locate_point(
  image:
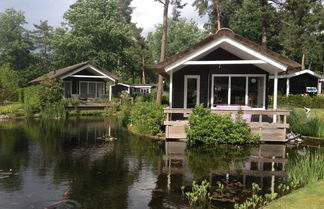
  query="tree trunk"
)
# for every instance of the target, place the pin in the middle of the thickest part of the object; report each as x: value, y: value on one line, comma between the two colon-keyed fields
x: 264, y: 29
x: 143, y: 70
x: 303, y: 60
x: 163, y: 48
x: 217, y: 22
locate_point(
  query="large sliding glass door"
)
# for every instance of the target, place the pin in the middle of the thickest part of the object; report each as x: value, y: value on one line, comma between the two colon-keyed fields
x: 91, y: 89
x: 191, y: 91
x: 242, y: 90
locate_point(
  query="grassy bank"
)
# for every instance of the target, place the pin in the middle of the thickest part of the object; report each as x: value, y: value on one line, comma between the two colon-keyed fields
x: 311, y: 196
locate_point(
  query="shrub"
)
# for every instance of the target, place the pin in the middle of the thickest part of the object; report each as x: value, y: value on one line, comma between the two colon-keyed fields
x: 299, y: 101
x: 301, y: 124
x: 50, y: 91
x: 147, y: 118
x: 207, y: 128
x: 8, y: 84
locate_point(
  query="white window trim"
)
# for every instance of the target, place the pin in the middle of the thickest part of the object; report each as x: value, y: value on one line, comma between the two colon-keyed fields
x: 246, y: 88
x: 186, y: 89
x: 96, y: 82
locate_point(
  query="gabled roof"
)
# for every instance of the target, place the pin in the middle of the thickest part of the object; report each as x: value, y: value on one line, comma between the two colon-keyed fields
x: 227, y: 39
x: 297, y: 73
x: 61, y: 73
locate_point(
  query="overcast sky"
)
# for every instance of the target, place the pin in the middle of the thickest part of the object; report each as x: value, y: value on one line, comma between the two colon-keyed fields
x: 147, y: 13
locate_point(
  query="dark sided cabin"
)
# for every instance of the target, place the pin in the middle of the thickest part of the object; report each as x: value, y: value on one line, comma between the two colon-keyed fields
x: 226, y: 72
x: 133, y: 89
x: 84, y: 81
x: 298, y: 82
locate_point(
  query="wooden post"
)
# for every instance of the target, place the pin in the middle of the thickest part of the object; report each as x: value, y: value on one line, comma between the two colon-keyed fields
x: 171, y: 89
x: 110, y: 92
x: 275, y: 95
x: 319, y: 88
x: 288, y: 87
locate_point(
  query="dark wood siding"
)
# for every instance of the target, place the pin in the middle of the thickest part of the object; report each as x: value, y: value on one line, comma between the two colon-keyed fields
x: 205, y: 72
x: 299, y: 83
x: 76, y: 82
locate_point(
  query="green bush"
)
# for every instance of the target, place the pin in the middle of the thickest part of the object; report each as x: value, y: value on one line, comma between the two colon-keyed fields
x: 29, y: 95
x: 50, y: 91
x: 8, y: 84
x: 147, y: 118
x: 207, y: 128
x: 299, y: 101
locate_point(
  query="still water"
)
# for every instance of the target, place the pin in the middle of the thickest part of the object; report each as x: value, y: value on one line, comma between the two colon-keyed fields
x: 66, y: 164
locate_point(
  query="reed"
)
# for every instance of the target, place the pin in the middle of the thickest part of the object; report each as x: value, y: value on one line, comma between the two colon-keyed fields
x: 306, y: 169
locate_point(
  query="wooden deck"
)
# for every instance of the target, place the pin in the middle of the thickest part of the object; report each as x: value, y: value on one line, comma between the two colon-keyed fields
x: 91, y: 106
x: 270, y: 125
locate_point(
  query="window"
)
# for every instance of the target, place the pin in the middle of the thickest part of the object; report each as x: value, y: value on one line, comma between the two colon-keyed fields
x: 238, y: 90
x: 220, y: 90
x: 90, y: 89
x: 191, y: 91
x: 67, y: 89
x: 238, y: 85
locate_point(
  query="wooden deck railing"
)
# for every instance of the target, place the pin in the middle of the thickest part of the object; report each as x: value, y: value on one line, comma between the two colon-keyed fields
x: 281, y: 115
x: 267, y: 123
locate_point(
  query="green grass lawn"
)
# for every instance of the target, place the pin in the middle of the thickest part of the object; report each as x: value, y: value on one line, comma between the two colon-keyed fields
x: 315, y: 112
x: 311, y: 197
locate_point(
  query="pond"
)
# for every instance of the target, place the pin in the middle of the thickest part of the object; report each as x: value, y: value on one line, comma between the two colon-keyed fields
x: 67, y: 164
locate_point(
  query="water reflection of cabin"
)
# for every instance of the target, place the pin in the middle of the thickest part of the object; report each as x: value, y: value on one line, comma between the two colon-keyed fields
x: 226, y: 72
x: 84, y: 81
x: 264, y: 164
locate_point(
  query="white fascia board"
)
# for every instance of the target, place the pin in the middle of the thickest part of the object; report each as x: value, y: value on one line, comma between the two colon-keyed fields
x: 212, y: 45
x: 256, y: 54
x: 225, y: 62
x: 299, y: 73
x: 123, y: 84
x: 87, y: 76
x: 191, y: 57
x: 73, y: 72
x: 85, y: 67
x: 142, y: 86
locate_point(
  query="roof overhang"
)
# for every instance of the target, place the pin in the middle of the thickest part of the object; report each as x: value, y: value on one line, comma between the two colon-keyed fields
x: 247, y: 54
x: 91, y: 68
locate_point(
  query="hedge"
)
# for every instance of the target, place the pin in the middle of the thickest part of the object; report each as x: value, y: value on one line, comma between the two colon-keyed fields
x: 299, y: 101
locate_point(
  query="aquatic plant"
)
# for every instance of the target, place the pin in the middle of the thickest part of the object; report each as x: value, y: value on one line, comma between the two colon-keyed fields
x: 304, y: 169
x: 256, y: 200
x: 55, y: 111
x: 199, y: 194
